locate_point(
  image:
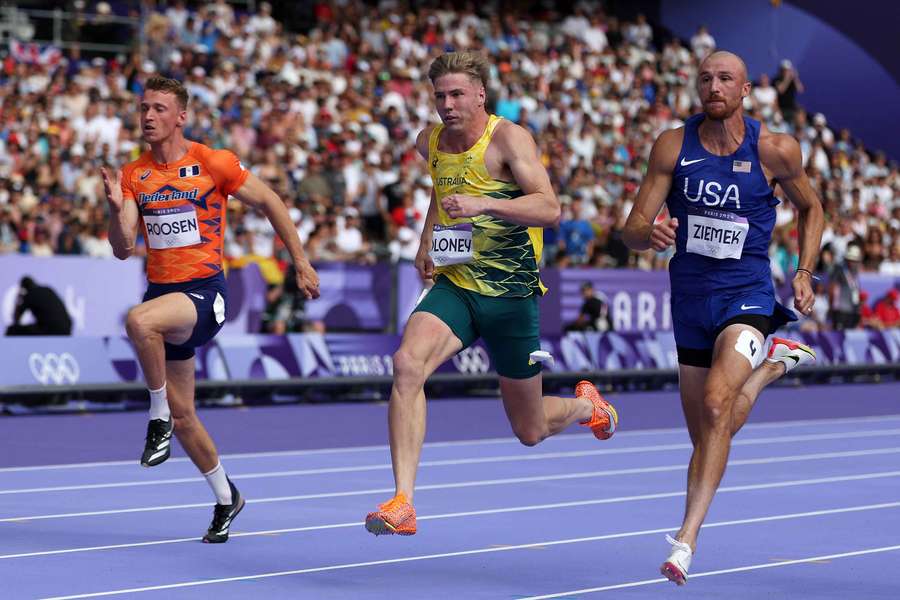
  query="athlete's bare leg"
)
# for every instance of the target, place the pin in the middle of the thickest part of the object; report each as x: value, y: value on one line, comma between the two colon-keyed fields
x: 188, y: 429
x: 710, y: 422
x: 169, y: 318
x: 427, y: 343
x: 535, y: 417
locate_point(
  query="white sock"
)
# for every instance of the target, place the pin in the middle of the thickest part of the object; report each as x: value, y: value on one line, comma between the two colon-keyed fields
x: 159, y: 404
x: 219, y: 484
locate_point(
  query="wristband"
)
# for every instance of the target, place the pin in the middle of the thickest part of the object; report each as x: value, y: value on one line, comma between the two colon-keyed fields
x: 811, y: 276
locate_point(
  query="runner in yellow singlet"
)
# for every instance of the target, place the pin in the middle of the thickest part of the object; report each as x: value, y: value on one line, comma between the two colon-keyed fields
x: 481, y: 245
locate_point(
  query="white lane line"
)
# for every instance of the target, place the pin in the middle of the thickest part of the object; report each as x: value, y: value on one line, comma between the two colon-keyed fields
x: 473, y: 513
x: 770, y: 565
x: 459, y: 443
x: 605, y: 452
x: 474, y: 483
x: 492, y: 511
x: 518, y: 547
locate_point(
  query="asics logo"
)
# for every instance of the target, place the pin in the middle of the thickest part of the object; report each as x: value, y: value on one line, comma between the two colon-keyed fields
x: 54, y: 368
x: 685, y: 163
x: 745, y: 307
x: 472, y: 360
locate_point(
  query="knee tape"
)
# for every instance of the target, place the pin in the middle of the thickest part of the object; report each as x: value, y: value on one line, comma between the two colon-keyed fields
x: 748, y: 346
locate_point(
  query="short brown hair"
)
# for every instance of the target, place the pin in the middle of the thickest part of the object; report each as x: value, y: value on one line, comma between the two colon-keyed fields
x: 473, y: 64
x: 170, y: 86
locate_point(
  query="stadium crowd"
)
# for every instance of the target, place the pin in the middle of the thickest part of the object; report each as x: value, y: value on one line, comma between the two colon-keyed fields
x: 328, y: 118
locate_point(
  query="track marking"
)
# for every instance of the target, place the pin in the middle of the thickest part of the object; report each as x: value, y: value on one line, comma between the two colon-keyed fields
x: 461, y: 461
x: 488, y: 550
x: 457, y: 443
x: 783, y: 563
x: 492, y: 511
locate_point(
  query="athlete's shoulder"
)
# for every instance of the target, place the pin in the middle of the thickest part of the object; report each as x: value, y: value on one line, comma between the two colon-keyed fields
x: 217, y: 159
x: 424, y: 138
x: 665, y: 151
x: 145, y: 161
x: 779, y: 152
x: 512, y: 136
x: 132, y: 172
x: 204, y: 152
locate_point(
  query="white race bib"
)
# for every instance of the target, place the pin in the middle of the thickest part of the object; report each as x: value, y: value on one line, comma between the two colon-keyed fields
x: 716, y: 233
x: 451, y: 244
x: 172, y: 227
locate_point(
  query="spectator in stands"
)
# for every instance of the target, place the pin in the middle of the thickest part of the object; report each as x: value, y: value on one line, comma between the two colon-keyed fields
x: 891, y: 266
x: 867, y: 316
x: 49, y: 311
x: 329, y: 117
x: 577, y: 234
x: 9, y: 239
x: 886, y: 309
x: 845, y: 291
x: 766, y: 97
x: 788, y: 84
x: 702, y: 43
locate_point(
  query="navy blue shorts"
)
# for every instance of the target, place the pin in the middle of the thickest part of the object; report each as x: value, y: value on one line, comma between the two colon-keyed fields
x: 209, y: 297
x: 698, y: 320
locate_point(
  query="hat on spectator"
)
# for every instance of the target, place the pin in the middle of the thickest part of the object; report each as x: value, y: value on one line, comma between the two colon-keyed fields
x: 853, y: 254
x: 149, y: 66
x: 819, y: 119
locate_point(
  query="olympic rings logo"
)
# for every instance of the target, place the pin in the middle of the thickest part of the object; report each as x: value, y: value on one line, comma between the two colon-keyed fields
x: 55, y: 368
x: 472, y: 360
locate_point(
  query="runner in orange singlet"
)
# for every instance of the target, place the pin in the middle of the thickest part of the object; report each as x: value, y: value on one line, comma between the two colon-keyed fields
x: 176, y: 193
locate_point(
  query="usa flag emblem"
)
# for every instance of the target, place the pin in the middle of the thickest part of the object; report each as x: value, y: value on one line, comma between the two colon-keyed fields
x: 741, y: 166
x: 191, y: 171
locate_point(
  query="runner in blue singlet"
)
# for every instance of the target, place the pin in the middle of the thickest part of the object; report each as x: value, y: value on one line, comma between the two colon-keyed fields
x: 716, y: 176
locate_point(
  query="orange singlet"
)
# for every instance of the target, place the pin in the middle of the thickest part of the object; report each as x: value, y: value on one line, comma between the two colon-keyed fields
x: 182, y: 208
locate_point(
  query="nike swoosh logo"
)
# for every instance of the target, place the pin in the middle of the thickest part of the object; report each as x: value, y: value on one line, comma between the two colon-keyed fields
x: 745, y: 307
x: 685, y: 163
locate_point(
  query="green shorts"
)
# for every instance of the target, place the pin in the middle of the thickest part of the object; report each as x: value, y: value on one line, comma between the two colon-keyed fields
x: 509, y: 326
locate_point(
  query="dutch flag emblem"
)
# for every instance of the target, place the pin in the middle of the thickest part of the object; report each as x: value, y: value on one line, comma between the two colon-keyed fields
x: 191, y: 171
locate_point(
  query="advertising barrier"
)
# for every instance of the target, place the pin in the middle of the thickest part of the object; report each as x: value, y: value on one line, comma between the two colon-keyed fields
x: 47, y: 361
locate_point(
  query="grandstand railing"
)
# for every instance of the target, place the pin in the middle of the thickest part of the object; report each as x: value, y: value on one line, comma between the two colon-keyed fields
x: 19, y: 23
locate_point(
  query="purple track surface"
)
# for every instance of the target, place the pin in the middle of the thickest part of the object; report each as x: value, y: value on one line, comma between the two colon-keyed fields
x: 809, y: 507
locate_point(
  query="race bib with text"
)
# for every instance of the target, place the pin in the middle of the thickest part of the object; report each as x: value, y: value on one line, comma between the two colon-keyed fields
x: 716, y: 233
x: 171, y: 227
x: 451, y: 244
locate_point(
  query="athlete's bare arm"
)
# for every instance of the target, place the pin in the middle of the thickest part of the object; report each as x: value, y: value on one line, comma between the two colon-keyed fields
x: 640, y: 233
x: 538, y: 207
x: 424, y: 264
x: 780, y: 155
x: 258, y: 195
x: 123, y: 216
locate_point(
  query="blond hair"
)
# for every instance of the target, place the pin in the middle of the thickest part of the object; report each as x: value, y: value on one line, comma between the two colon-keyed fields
x: 170, y: 86
x: 473, y: 64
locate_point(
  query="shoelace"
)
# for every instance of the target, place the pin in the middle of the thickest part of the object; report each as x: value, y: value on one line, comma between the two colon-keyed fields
x: 220, y: 515
x: 679, y: 545
x: 157, y: 431
x: 393, y: 504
